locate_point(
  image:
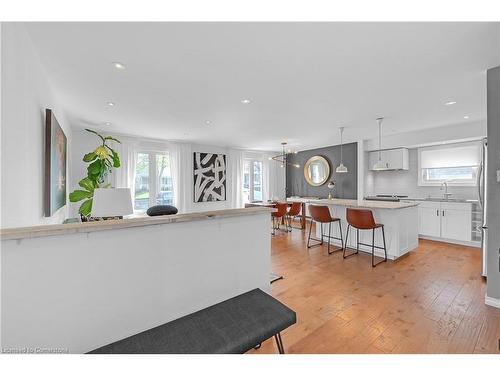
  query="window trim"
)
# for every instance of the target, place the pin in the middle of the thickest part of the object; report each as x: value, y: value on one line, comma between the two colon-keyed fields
x: 153, y: 188
x: 252, y: 161
x: 420, y: 170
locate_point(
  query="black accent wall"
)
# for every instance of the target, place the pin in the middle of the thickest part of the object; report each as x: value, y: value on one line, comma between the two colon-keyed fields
x: 346, y: 184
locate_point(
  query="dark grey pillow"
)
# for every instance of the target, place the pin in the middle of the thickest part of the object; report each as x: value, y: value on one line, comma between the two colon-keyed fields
x: 161, y: 210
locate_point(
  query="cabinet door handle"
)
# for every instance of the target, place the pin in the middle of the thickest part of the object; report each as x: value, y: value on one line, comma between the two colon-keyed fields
x: 443, y: 212
x: 437, y: 212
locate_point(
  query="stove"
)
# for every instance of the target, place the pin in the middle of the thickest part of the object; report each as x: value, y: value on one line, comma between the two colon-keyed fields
x: 386, y: 197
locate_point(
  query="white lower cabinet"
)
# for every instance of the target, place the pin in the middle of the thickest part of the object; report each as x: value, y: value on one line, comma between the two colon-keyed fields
x: 429, y: 219
x: 447, y: 220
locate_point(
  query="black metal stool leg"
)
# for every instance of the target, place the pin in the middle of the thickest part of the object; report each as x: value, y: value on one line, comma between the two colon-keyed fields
x: 329, y: 235
x: 357, y: 240
x: 373, y: 246
x: 341, y: 238
x: 346, y: 238
x: 279, y: 343
x: 385, y: 248
x: 309, y: 237
x: 346, y: 242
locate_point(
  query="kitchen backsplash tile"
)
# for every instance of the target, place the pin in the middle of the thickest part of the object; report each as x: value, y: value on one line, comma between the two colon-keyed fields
x: 406, y: 183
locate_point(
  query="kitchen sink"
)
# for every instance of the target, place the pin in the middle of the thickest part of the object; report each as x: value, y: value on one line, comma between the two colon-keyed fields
x: 441, y: 199
x: 438, y: 199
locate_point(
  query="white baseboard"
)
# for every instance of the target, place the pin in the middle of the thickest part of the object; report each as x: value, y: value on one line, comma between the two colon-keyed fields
x: 490, y: 301
x: 456, y: 242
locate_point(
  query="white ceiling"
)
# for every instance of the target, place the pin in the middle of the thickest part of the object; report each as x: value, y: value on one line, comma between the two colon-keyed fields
x: 304, y: 80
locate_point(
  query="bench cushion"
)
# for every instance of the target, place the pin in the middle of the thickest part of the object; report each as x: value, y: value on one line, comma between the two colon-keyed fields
x: 233, y: 326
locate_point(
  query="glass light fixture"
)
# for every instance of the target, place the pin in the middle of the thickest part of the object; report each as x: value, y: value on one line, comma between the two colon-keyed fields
x: 379, y: 165
x: 341, y: 168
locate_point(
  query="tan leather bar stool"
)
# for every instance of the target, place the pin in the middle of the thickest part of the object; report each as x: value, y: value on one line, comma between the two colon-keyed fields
x: 293, y: 212
x: 363, y: 219
x: 321, y: 214
x: 278, y: 215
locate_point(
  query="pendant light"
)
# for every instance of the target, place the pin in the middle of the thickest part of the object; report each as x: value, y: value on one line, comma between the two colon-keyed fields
x: 341, y: 168
x: 283, y: 157
x: 379, y: 165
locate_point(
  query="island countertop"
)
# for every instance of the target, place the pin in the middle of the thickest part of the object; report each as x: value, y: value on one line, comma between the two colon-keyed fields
x: 95, y: 226
x: 364, y: 203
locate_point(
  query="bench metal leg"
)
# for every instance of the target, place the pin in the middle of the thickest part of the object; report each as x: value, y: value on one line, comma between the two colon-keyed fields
x: 279, y: 343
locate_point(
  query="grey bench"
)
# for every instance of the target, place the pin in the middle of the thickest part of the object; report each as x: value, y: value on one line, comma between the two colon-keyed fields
x: 233, y: 326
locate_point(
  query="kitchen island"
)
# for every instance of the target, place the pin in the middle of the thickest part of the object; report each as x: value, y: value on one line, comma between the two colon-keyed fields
x: 400, y: 221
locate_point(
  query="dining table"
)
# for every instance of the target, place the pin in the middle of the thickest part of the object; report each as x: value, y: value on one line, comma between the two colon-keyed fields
x: 289, y: 202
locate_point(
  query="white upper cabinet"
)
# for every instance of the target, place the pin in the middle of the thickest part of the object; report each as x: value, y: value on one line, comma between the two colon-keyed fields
x: 394, y: 159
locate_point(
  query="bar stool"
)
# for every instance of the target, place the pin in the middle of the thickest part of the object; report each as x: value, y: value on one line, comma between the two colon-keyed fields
x: 293, y: 212
x: 279, y: 214
x: 363, y: 219
x: 321, y: 214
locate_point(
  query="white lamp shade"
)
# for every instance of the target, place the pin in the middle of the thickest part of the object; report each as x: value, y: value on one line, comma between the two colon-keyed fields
x: 112, y: 202
x: 341, y: 168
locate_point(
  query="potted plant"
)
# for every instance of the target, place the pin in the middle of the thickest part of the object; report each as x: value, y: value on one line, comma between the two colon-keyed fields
x: 101, y: 163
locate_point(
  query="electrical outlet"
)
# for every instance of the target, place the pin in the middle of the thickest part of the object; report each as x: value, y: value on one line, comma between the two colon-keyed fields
x: 498, y: 176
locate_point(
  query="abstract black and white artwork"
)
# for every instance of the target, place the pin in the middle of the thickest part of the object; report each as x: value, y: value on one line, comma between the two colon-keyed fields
x: 209, y: 177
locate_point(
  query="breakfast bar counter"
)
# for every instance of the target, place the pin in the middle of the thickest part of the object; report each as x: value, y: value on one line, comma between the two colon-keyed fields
x: 400, y: 221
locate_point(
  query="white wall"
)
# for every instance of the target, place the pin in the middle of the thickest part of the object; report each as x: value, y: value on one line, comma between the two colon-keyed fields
x: 426, y: 137
x: 26, y: 93
x: 85, y: 142
x: 406, y: 183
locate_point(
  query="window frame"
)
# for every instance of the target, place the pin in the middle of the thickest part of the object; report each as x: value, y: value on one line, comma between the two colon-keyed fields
x: 251, y: 197
x: 422, y: 182
x: 152, y: 177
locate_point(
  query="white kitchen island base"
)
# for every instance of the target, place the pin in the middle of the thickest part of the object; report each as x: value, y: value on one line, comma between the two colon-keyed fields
x: 400, y: 224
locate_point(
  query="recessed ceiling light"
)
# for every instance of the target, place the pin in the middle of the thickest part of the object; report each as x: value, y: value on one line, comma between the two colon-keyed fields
x: 246, y: 101
x: 208, y: 122
x: 107, y: 123
x: 118, y: 65
x: 450, y: 103
x: 466, y: 117
x: 111, y: 104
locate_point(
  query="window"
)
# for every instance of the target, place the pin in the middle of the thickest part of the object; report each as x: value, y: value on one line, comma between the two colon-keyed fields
x: 252, y: 181
x: 456, y: 164
x: 153, y: 180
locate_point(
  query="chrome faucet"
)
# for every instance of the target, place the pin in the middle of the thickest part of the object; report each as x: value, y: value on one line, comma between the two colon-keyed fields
x: 444, y: 185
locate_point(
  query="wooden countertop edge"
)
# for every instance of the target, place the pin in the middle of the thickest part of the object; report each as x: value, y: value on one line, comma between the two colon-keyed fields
x: 97, y: 226
x: 371, y: 205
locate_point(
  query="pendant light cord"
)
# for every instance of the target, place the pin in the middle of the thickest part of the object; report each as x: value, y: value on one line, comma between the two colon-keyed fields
x: 341, y: 144
x: 379, y: 120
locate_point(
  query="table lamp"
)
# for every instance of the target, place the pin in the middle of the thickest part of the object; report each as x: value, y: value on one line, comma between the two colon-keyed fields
x: 330, y: 185
x: 112, y: 203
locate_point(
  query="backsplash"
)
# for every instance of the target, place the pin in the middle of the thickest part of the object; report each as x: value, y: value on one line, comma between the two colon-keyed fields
x: 406, y: 183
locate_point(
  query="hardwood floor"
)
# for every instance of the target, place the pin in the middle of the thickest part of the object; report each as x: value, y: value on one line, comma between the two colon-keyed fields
x: 431, y: 301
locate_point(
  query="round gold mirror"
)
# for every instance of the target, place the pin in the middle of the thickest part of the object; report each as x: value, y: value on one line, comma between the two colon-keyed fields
x: 317, y: 171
